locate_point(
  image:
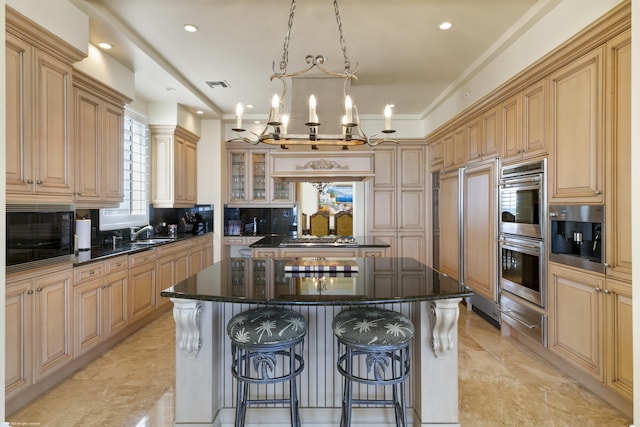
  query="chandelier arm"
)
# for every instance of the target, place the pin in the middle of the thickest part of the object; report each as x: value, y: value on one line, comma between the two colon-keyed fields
x: 343, y: 43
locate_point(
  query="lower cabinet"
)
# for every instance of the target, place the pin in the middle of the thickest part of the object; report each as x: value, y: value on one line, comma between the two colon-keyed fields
x: 590, y: 325
x: 38, y: 326
x: 100, y: 302
x: 172, y: 266
x: 142, y: 284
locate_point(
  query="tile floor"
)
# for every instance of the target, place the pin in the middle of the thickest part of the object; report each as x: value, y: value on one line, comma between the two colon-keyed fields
x: 501, y: 384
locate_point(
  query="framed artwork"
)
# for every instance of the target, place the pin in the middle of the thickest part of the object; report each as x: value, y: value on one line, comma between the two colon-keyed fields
x: 336, y: 198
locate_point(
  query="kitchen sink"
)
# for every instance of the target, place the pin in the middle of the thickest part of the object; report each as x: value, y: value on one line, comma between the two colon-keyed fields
x: 154, y: 241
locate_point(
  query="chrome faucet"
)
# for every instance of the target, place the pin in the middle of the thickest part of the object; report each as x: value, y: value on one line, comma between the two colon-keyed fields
x: 134, y: 234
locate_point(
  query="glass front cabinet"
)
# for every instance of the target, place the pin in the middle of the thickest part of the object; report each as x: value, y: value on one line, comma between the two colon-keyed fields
x: 250, y: 182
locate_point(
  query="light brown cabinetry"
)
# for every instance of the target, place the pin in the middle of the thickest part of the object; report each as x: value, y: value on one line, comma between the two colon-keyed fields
x: 479, y: 215
x: 454, y: 145
x: 38, y: 318
x: 142, y: 284
x: 172, y: 266
x: 250, y: 180
x: 591, y: 325
x: 618, y: 158
x: 577, y: 131
x: 39, y: 152
x: 99, y: 142
x: 174, y: 166
x: 482, y: 134
x: 449, y: 247
x: 397, y: 203
x: 100, y: 302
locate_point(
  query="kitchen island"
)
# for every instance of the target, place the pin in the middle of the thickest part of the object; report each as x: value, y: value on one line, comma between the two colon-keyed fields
x: 204, y: 303
x: 337, y: 246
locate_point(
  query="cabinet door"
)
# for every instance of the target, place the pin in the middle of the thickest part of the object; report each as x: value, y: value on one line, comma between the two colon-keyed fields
x: 190, y: 181
x: 165, y: 269
x: 237, y: 189
x: 54, y: 158
x: 178, y: 167
x: 19, y: 137
x: 577, y: 131
x: 619, y: 338
x: 53, y: 314
x: 88, y: 304
x: 411, y: 179
x: 116, y: 316
x: 18, y: 358
x: 142, y: 291
x: 618, y: 168
x: 113, y: 148
x: 449, y: 250
x: 491, y: 132
x: 534, y: 105
x: 479, y: 189
x: 576, y: 318
x: 436, y: 153
x: 475, y: 150
x: 88, y: 109
x: 258, y: 176
x: 511, y: 128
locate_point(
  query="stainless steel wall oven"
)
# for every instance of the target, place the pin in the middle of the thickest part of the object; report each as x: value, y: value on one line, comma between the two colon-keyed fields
x: 523, y: 269
x: 522, y: 199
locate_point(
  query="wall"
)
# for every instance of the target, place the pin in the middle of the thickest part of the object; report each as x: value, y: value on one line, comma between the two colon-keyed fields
x: 211, y: 173
x: 109, y: 71
x: 550, y: 31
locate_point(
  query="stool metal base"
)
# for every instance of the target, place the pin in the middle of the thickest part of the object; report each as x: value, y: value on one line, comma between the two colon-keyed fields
x: 257, y: 364
x: 378, y: 361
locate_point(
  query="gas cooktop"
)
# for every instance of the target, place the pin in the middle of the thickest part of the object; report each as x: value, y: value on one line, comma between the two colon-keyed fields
x: 320, y: 241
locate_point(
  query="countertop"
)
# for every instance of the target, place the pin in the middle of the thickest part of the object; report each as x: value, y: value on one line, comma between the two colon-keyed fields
x: 127, y: 248
x: 275, y: 241
x: 265, y: 281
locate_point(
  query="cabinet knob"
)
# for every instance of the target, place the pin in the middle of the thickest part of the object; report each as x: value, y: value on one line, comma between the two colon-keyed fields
x: 607, y: 265
x: 30, y: 292
x: 38, y: 289
x: 29, y: 181
x: 598, y: 289
x: 597, y: 192
x: 39, y: 182
x: 607, y: 291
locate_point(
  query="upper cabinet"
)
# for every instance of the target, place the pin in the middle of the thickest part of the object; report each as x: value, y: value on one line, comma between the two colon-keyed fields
x: 250, y: 179
x: 98, y: 137
x: 174, y: 166
x: 39, y: 149
x: 577, y: 130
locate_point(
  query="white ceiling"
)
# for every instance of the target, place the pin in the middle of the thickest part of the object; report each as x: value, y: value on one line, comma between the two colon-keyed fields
x: 402, y: 56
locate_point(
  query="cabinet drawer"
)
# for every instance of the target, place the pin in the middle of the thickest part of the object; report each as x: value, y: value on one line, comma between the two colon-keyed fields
x: 172, y: 248
x: 88, y: 272
x: 117, y: 264
x: 235, y: 241
x: 142, y: 258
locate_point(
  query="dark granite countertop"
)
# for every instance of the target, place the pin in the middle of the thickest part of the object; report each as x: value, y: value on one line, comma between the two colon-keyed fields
x: 266, y: 281
x: 126, y: 248
x: 275, y: 241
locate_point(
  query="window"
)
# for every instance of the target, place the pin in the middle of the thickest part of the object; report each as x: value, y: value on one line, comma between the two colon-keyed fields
x: 134, y: 210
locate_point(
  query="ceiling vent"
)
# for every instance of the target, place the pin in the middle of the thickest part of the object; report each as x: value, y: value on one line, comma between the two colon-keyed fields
x: 217, y: 83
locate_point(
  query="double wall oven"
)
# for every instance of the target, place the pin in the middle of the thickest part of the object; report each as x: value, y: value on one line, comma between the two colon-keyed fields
x: 522, y: 256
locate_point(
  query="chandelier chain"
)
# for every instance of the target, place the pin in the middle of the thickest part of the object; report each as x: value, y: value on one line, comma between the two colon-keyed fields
x: 284, y: 62
x: 343, y: 43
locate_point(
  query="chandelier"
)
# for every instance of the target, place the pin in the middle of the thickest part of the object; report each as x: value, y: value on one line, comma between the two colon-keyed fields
x: 276, y: 129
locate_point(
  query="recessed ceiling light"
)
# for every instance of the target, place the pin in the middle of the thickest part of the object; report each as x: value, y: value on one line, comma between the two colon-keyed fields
x: 446, y: 25
x: 170, y: 89
x: 250, y: 106
x: 105, y: 45
x: 200, y: 112
x: 190, y: 28
x: 257, y: 122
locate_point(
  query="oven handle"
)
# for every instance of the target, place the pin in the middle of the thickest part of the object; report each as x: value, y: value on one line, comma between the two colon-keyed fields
x: 510, y: 182
x: 523, y: 323
x: 522, y: 246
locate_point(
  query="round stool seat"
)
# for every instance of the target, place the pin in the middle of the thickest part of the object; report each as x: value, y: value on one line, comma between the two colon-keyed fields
x: 372, y: 327
x: 265, y: 326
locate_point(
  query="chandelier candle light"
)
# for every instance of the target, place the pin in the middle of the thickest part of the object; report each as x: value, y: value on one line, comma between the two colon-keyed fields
x: 275, y: 132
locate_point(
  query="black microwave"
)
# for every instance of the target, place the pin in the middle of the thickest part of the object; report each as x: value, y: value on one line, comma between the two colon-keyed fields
x: 38, y: 235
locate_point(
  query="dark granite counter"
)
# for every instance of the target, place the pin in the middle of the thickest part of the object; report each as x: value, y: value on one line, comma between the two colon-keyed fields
x: 277, y: 241
x: 266, y: 281
x: 127, y: 248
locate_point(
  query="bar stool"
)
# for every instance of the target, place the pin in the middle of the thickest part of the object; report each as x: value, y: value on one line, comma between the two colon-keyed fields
x: 382, y: 337
x: 260, y: 339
